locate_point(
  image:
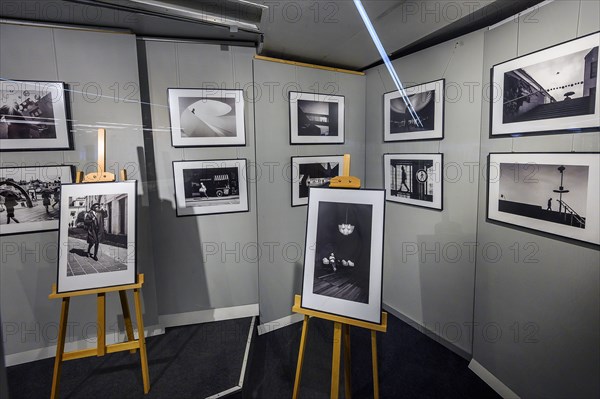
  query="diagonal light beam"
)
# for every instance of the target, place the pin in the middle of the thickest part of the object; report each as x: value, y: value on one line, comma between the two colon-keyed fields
x: 388, y: 63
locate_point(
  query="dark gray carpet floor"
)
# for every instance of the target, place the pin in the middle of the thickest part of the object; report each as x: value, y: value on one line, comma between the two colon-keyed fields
x: 201, y: 360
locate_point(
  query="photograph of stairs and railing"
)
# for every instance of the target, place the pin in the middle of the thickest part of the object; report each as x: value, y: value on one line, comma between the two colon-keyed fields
x: 554, y: 193
x: 557, y: 88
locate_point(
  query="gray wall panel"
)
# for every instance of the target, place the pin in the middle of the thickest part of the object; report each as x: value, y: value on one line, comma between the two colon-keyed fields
x: 26, y: 276
x: 281, y: 228
x: 192, y: 278
x: 545, y: 297
x: 427, y: 258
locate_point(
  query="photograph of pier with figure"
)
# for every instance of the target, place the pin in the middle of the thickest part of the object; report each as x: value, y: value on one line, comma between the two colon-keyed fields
x: 553, y: 196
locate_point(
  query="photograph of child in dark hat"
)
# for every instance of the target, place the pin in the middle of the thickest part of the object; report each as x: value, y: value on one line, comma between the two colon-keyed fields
x: 97, y: 234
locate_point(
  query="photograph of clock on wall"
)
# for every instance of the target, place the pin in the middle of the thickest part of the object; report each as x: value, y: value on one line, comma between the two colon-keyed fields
x: 554, y: 90
x: 414, y: 179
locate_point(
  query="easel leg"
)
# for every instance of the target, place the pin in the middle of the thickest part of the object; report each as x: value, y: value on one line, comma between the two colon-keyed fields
x: 142, y: 339
x: 300, y: 358
x: 375, y: 371
x: 347, y: 367
x: 127, y: 317
x: 101, y: 324
x: 335, y: 361
x: 60, y: 347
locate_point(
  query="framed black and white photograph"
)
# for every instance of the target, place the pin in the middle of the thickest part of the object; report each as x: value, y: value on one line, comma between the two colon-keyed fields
x: 316, y: 118
x: 555, y: 193
x: 427, y: 101
x: 414, y: 179
x: 30, y: 197
x: 310, y: 172
x: 97, y: 235
x: 210, y: 187
x: 34, y: 116
x: 206, y: 117
x: 554, y: 90
x: 343, y: 258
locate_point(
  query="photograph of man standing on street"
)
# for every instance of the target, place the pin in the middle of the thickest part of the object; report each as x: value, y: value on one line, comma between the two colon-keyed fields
x: 97, y: 234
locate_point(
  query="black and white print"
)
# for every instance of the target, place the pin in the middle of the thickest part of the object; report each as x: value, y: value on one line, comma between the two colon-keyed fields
x: 97, y: 233
x: 316, y: 118
x: 551, y: 90
x: 343, y: 253
x: 310, y: 172
x: 33, y: 116
x: 427, y: 101
x: 30, y: 197
x: 206, y: 187
x: 555, y: 193
x: 206, y: 117
x: 414, y: 179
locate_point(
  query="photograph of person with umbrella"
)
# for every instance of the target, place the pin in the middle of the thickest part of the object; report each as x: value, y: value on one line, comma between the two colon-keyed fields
x: 10, y: 201
x: 20, y: 189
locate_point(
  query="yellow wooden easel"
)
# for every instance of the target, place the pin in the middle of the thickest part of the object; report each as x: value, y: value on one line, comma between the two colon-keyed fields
x: 340, y: 323
x: 131, y: 344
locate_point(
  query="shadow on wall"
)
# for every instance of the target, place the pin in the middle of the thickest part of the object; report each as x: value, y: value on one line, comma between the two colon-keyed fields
x: 446, y: 269
x: 181, y: 283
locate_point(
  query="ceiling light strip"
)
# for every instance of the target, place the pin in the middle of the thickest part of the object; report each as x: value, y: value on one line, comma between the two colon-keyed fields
x: 388, y: 63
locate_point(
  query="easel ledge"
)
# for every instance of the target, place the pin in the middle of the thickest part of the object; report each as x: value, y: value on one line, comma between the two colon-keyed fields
x: 340, y: 319
x: 138, y: 285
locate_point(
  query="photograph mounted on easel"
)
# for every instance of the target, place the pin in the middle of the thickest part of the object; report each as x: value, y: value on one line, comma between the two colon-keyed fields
x: 30, y: 197
x: 97, y: 235
x: 344, y: 252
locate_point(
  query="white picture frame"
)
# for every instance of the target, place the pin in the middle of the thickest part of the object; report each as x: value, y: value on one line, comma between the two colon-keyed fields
x: 207, y: 117
x: 313, y: 171
x: 529, y: 190
x: 414, y: 179
x: 344, y: 228
x: 316, y: 118
x: 427, y: 100
x: 82, y: 264
x: 210, y: 187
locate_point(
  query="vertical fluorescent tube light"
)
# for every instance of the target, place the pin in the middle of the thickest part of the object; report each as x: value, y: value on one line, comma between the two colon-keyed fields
x: 386, y: 60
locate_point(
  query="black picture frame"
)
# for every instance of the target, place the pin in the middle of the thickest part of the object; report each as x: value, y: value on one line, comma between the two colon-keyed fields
x: 428, y: 99
x: 424, y: 183
x: 34, y: 116
x: 32, y: 196
x: 116, y: 255
x: 301, y: 182
x: 328, y: 115
x: 211, y: 128
x: 367, y: 208
x: 226, y: 180
x: 549, y: 91
x: 549, y: 193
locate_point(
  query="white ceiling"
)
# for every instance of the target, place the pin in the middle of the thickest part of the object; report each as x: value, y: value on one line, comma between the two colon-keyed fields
x: 324, y: 32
